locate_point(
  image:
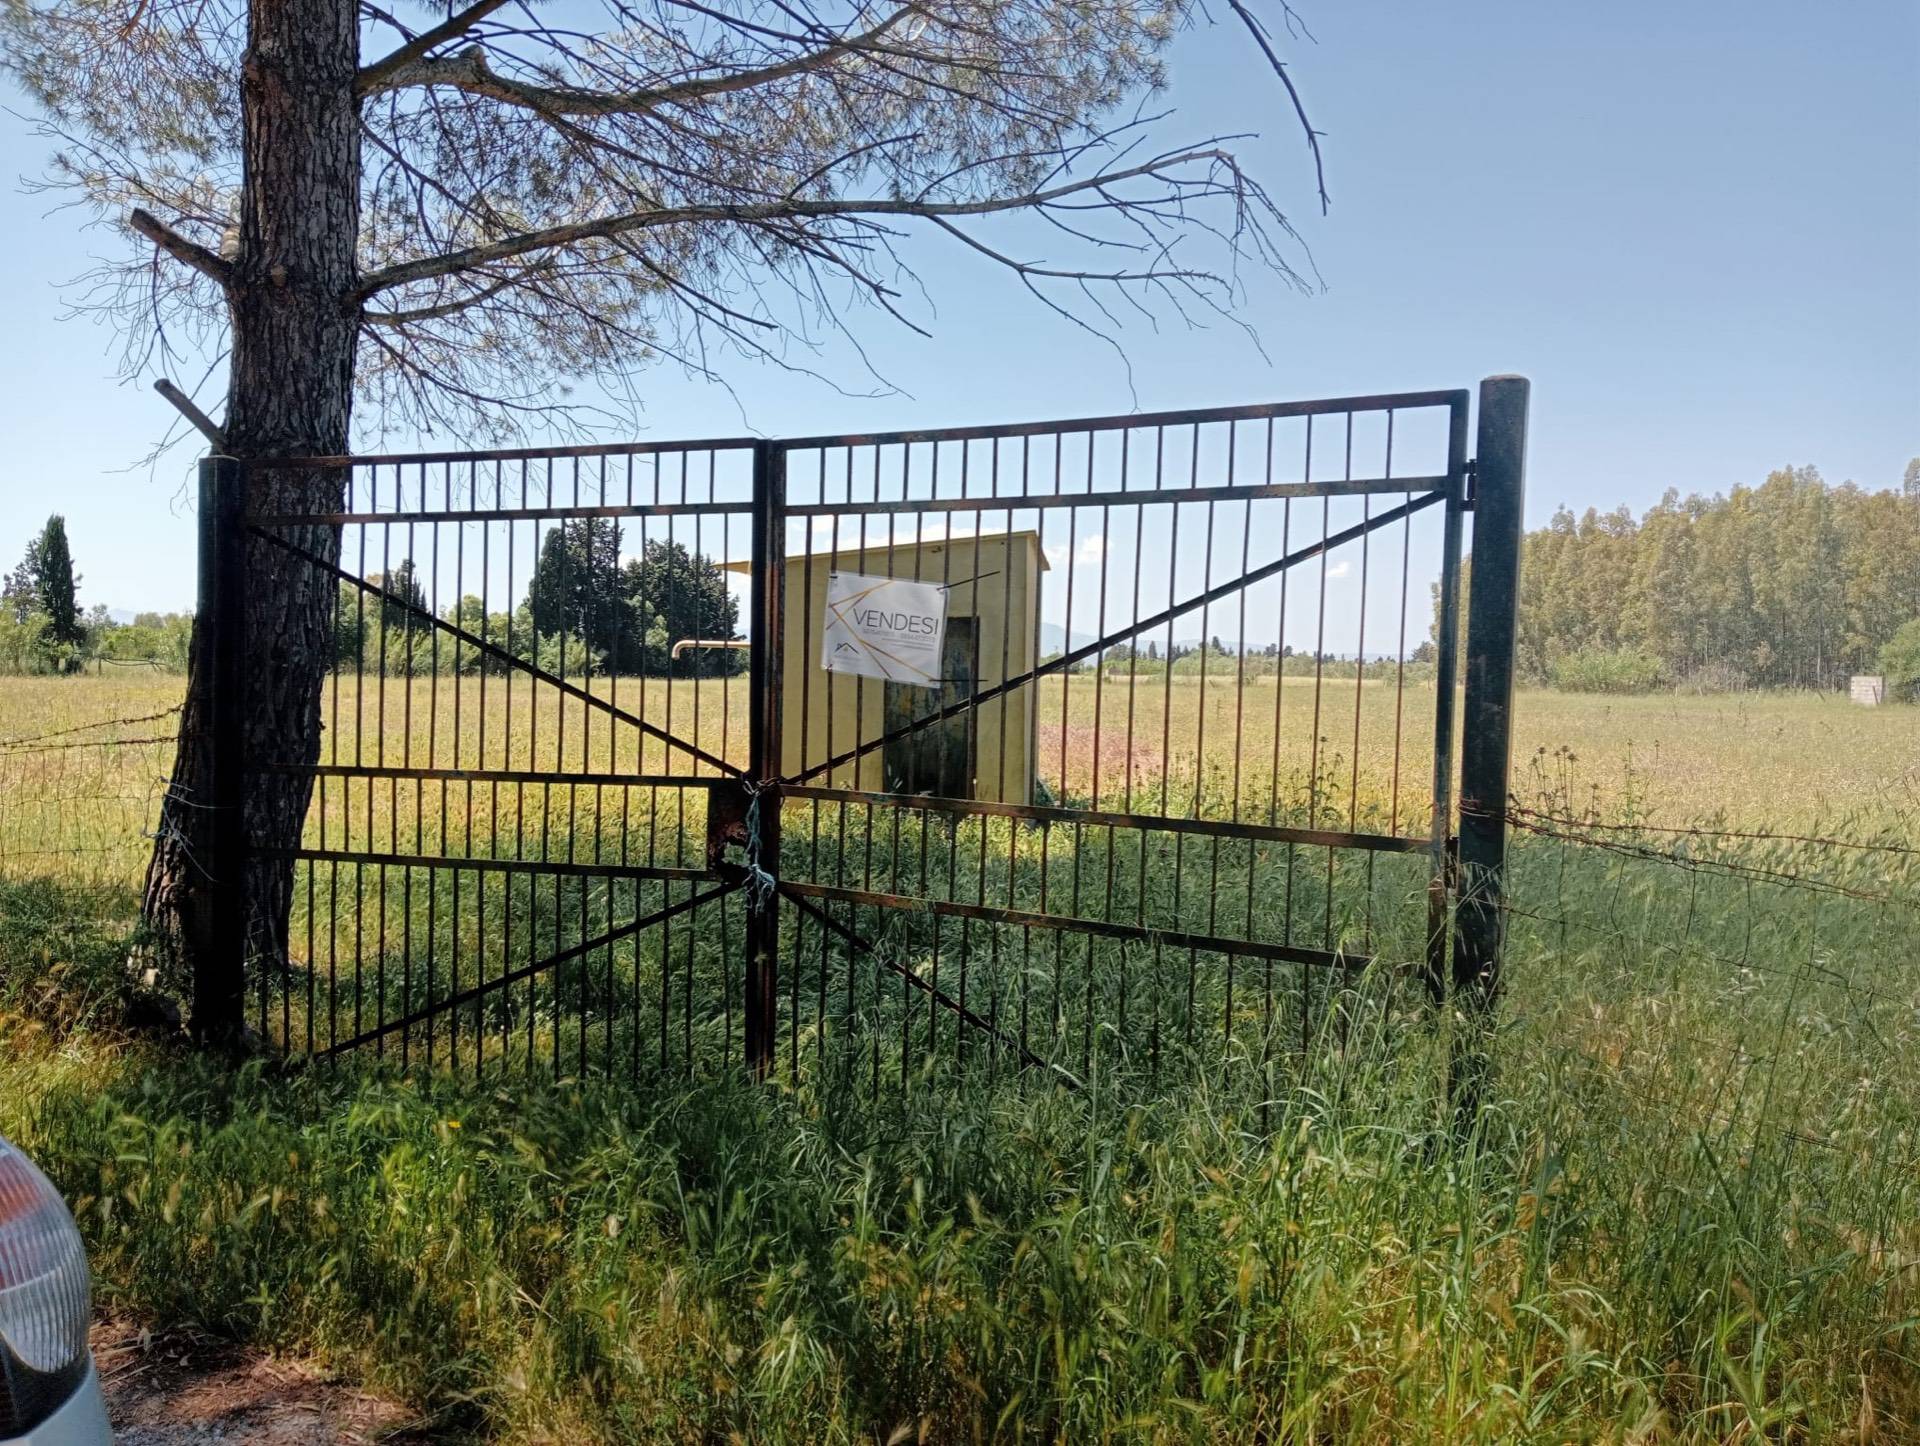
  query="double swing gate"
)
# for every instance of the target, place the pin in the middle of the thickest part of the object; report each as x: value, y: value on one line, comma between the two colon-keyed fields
x: 1211, y: 738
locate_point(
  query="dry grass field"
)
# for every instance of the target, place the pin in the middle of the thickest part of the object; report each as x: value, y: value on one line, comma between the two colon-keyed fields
x: 1764, y: 761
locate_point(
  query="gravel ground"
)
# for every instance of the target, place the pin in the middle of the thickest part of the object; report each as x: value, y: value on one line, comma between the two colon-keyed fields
x: 178, y: 1387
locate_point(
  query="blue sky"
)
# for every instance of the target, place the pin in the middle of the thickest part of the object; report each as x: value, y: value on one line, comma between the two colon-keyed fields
x: 1695, y: 226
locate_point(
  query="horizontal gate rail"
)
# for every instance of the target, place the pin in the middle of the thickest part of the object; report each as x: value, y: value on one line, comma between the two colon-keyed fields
x: 518, y: 454
x: 696, y: 781
x: 1145, y: 421
x: 501, y: 655
x: 1072, y: 924
x: 502, y: 514
x: 481, y: 863
x: 1125, y: 497
x: 1106, y: 818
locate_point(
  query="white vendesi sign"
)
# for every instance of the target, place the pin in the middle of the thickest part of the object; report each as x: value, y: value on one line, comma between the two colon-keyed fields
x: 884, y: 627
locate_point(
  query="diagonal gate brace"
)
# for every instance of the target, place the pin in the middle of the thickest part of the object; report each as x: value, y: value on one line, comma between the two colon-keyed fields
x: 1160, y: 619
x: 499, y: 654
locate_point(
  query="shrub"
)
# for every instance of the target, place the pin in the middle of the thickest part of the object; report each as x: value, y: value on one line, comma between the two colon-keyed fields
x: 1602, y: 670
x: 1718, y: 677
x: 1900, y: 661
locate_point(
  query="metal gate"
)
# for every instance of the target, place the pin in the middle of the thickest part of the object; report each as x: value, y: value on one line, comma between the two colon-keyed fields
x: 1188, y: 771
x: 505, y: 854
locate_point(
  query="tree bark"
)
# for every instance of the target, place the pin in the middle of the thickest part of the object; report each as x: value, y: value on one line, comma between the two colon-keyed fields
x: 290, y: 395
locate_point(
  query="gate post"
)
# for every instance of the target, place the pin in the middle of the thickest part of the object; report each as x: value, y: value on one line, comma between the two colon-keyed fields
x: 764, y: 677
x: 1440, y: 879
x: 219, y: 914
x: 1499, y: 486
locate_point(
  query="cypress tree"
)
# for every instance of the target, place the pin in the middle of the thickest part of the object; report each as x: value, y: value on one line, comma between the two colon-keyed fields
x: 58, y: 587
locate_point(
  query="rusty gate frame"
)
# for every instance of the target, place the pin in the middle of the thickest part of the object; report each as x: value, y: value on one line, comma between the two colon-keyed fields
x: 1465, y: 921
x: 1465, y: 845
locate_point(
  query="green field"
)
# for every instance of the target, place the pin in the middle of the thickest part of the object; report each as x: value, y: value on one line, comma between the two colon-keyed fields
x: 1687, y: 1211
x: 1802, y: 762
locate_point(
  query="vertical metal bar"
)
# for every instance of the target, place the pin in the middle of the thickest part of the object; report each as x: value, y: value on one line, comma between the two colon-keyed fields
x: 408, y: 674
x: 380, y: 757
x: 1400, y: 652
x: 1446, y: 671
x: 219, y: 965
x: 763, y: 749
x: 431, y: 1025
x: 806, y: 654
x: 359, y: 757
x: 493, y: 800
x: 466, y: 848
x: 1035, y: 595
x: 1486, y: 754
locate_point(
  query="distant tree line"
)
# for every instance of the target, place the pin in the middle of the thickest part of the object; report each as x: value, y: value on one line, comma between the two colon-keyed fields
x: 43, y: 630
x: 1222, y: 663
x: 1791, y: 584
x: 584, y: 610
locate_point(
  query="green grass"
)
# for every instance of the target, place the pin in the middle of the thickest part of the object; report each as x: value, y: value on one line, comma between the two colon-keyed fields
x: 1690, y: 1210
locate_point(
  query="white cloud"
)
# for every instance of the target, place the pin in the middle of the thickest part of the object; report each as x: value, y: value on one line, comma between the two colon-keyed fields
x: 1087, y: 552
x: 1340, y: 569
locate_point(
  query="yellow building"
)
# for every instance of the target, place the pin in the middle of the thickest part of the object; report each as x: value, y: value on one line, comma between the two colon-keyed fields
x: 987, y: 752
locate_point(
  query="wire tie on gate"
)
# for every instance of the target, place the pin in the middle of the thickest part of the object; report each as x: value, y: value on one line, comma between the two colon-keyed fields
x: 761, y: 885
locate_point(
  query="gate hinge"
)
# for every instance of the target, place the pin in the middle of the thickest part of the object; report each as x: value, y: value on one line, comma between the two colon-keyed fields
x: 1471, y: 472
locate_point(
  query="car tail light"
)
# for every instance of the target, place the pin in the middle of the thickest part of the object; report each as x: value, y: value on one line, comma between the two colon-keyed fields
x: 44, y: 1309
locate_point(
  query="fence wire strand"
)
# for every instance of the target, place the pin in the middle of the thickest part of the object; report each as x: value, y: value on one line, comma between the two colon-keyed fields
x: 83, y: 809
x: 11, y: 744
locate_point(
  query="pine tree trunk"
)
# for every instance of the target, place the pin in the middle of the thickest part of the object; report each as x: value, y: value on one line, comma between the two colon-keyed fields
x: 290, y: 395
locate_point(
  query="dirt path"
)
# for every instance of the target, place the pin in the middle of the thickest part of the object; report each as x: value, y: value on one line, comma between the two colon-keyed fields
x: 181, y: 1388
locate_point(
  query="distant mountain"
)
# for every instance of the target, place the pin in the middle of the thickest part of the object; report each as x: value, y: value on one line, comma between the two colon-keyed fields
x: 1056, y: 639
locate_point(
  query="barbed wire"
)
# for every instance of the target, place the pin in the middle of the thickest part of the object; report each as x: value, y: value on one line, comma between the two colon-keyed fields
x: 1516, y: 812
x: 1713, y: 867
x: 80, y: 800
x: 7, y: 752
x: 21, y: 744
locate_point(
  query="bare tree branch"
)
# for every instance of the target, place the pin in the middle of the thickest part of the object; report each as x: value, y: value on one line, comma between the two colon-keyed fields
x: 792, y: 208
x: 549, y: 197
x: 190, y: 253
x: 372, y: 77
x: 470, y: 71
x: 1259, y: 34
x: 440, y: 310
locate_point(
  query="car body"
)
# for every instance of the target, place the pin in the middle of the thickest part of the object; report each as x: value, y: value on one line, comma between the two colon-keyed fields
x: 49, y: 1391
